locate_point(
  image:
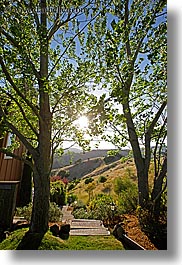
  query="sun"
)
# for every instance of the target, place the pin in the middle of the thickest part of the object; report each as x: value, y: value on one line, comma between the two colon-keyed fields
x: 83, y: 122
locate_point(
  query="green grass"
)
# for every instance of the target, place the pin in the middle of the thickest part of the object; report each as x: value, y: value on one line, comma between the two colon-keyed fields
x: 50, y: 242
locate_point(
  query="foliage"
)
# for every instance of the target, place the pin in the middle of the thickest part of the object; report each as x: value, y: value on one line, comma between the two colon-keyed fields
x: 130, y: 55
x: 89, y: 180
x: 55, y: 213
x: 156, y: 230
x: 81, y: 213
x: 73, y: 184
x: 25, y: 212
x: 44, y: 83
x: 128, y: 200
x: 55, y: 178
x: 57, y: 193
x: 127, y: 193
x: 100, y: 207
x: 65, y: 180
x: 50, y: 242
x: 71, y: 198
x: 79, y: 204
x: 122, y: 184
x: 102, y: 179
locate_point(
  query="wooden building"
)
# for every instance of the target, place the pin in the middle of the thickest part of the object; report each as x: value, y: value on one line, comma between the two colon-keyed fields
x: 10, y: 169
x: 11, y: 174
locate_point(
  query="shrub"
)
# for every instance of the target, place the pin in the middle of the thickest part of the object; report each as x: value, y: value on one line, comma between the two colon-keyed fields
x: 55, y: 178
x: 80, y: 213
x: 55, y: 212
x: 128, y: 200
x: 122, y: 184
x: 100, y: 207
x: 71, y: 198
x: 71, y: 186
x: 88, y: 180
x: 127, y: 193
x: 57, y: 193
x: 102, y: 179
x: 25, y: 211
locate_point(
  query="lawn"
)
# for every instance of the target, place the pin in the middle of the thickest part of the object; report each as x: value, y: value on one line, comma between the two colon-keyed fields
x: 50, y: 242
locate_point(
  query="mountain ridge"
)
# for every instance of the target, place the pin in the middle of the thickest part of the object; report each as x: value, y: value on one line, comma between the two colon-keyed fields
x: 71, y: 157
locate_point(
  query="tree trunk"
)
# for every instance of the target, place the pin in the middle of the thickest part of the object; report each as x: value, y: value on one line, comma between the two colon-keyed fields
x: 40, y: 211
x: 142, y: 173
x: 158, y: 189
x: 42, y: 163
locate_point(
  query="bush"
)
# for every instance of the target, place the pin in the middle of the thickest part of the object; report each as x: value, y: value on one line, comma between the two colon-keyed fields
x: 71, y: 186
x: 80, y: 213
x: 127, y: 193
x: 100, y: 207
x: 88, y: 180
x: 25, y: 212
x: 55, y: 212
x: 128, y: 200
x: 102, y: 179
x: 57, y: 193
x: 71, y: 198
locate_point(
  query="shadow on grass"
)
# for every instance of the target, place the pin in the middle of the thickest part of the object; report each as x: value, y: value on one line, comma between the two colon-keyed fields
x: 30, y: 241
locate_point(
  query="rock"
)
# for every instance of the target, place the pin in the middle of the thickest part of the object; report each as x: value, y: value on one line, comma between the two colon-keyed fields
x: 64, y: 231
x: 65, y: 228
x: 118, y: 231
x: 54, y: 230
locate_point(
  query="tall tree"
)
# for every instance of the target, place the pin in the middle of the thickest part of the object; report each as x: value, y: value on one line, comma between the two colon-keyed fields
x: 43, y: 83
x: 130, y: 50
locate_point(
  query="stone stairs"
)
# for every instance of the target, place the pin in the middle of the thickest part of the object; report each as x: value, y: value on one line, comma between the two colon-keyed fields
x: 84, y: 227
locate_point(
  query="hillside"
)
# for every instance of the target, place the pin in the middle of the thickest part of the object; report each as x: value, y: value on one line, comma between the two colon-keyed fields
x: 79, y: 169
x: 74, y: 155
x: 110, y: 172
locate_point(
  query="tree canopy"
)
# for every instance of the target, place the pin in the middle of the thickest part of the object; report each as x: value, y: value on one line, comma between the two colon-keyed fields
x: 54, y: 53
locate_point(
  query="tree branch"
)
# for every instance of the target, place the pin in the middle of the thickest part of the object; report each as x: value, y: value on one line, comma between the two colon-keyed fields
x: 22, y: 112
x: 116, y: 129
x: 126, y: 20
x: 157, y: 116
x: 69, y: 44
x: 20, y: 158
x: 20, y: 136
x: 10, y: 80
x: 16, y: 44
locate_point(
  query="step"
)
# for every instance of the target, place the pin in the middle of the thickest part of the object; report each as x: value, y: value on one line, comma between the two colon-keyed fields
x: 89, y: 232
x: 86, y: 224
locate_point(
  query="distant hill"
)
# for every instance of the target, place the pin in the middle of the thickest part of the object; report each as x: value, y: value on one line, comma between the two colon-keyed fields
x: 79, y: 169
x: 73, y: 156
x: 84, y: 164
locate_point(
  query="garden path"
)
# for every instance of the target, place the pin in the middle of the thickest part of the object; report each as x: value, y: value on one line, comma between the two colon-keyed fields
x: 83, y: 227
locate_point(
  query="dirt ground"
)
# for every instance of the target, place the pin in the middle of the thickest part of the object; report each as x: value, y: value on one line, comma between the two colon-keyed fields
x: 132, y: 230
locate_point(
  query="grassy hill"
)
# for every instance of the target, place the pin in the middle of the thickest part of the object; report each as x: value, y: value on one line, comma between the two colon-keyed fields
x: 50, y: 242
x: 71, y: 157
x: 123, y: 169
x: 86, y: 163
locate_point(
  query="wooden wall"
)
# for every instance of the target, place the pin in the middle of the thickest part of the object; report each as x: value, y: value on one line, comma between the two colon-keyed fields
x: 10, y: 168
